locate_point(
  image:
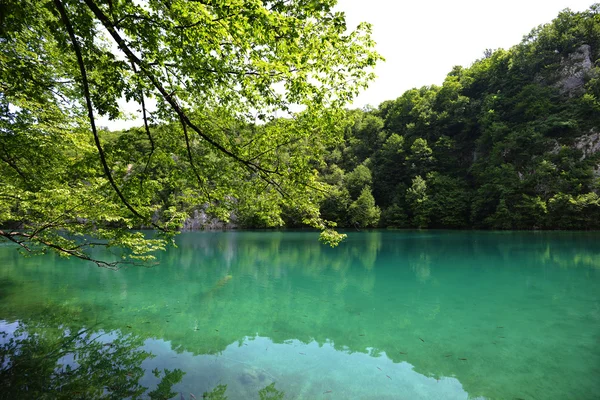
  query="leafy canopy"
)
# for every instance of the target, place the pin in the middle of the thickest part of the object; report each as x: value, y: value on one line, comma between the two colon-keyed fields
x: 218, y: 72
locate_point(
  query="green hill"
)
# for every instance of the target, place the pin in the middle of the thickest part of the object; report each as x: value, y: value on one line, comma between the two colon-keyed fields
x: 511, y: 142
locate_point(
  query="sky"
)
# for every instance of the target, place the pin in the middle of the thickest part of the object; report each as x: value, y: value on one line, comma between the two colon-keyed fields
x: 422, y: 40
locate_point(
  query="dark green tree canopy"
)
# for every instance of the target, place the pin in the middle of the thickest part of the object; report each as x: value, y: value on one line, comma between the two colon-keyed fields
x: 511, y: 142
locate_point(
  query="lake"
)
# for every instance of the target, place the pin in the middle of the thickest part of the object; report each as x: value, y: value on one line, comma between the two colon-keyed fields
x: 386, y: 315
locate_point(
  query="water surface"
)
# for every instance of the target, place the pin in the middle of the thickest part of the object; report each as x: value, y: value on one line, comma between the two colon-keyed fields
x: 386, y: 315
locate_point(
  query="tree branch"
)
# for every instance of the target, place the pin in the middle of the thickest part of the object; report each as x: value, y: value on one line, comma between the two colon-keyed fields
x: 191, y: 159
x: 167, y: 96
x: 12, y: 236
x: 13, y: 165
x: 262, y: 153
x: 88, y: 101
x: 146, y: 128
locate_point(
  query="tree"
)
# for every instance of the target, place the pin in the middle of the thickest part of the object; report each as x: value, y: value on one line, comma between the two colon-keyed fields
x: 510, y: 142
x: 364, y: 136
x: 420, y: 158
x: 389, y: 169
x: 218, y: 72
x: 419, y: 202
x: 448, y: 201
x: 357, y: 180
x: 363, y: 212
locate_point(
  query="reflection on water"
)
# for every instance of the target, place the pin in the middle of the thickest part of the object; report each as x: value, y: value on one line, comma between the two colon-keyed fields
x: 306, y: 371
x: 55, y: 360
x: 50, y: 358
x: 385, y: 315
x: 41, y: 360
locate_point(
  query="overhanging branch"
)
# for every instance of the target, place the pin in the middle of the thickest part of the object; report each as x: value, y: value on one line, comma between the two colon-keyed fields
x: 191, y: 159
x: 146, y: 128
x: 107, y: 23
x: 88, y: 101
x: 75, y: 251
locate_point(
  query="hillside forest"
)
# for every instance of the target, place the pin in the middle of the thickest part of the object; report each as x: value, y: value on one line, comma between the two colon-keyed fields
x: 511, y: 142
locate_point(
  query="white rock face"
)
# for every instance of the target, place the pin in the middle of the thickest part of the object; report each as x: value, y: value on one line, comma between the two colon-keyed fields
x: 201, y: 221
x: 588, y: 144
x: 574, y: 70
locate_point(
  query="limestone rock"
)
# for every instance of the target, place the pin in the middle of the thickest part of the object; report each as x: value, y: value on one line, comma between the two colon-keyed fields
x: 575, y: 70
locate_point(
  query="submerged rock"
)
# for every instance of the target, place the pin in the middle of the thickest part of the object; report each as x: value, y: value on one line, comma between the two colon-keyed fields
x: 251, y: 376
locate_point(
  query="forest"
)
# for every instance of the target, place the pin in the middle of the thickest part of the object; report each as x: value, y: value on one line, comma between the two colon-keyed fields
x: 510, y: 142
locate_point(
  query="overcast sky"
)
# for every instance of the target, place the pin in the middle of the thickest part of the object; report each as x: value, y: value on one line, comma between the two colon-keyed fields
x: 423, y: 39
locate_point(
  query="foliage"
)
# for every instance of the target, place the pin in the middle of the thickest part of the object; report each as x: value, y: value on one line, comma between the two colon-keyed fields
x: 218, y: 73
x: 418, y: 202
x: 510, y: 142
x: 363, y: 212
x: 357, y: 180
x: 507, y: 143
x: 448, y: 201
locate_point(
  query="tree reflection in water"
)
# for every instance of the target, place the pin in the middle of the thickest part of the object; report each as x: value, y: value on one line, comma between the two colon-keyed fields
x: 51, y: 356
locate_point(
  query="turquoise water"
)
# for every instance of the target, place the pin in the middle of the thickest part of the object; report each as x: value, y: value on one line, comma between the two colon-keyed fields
x: 386, y: 315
